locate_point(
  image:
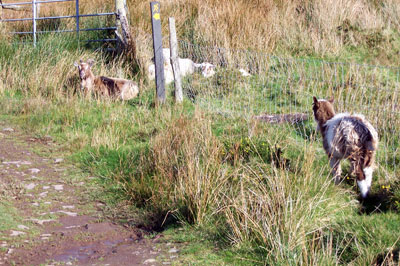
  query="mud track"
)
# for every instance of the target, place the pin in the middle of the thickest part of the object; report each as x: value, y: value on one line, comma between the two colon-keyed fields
x: 57, y: 222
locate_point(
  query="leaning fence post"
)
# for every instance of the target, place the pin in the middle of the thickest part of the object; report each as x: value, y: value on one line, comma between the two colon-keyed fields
x: 34, y: 22
x: 77, y: 19
x: 173, y: 44
x: 158, y: 52
x: 123, y: 31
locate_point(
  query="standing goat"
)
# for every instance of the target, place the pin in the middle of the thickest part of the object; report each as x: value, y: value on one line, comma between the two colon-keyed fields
x: 111, y: 87
x: 347, y: 137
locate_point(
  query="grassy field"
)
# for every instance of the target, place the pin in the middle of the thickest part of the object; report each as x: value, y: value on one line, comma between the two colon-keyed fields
x: 246, y: 192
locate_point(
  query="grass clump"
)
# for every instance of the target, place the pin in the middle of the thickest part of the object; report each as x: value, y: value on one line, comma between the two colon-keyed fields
x: 258, y: 190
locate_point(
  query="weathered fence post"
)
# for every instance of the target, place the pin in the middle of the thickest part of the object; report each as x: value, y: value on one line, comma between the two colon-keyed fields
x: 173, y: 44
x: 34, y: 21
x: 158, y: 51
x: 77, y: 19
x: 123, y: 31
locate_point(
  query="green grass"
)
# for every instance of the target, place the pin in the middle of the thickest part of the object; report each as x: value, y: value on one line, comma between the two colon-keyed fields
x: 247, y: 193
x: 196, y: 247
x: 9, y: 216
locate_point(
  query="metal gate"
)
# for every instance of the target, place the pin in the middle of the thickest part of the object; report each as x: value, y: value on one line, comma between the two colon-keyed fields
x: 33, y: 5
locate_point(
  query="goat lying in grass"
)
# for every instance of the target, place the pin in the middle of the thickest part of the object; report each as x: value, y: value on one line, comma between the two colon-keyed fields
x: 347, y: 137
x: 111, y: 87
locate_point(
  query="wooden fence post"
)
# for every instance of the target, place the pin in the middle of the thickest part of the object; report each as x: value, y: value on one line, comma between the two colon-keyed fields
x: 173, y: 44
x: 158, y: 51
x: 77, y: 19
x: 34, y: 21
x: 123, y: 32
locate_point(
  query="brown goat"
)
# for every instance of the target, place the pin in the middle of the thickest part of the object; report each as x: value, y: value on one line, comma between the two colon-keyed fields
x: 110, y: 87
x: 349, y: 137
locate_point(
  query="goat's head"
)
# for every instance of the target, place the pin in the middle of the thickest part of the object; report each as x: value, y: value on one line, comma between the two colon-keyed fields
x: 207, y: 69
x: 84, y: 68
x: 323, y: 110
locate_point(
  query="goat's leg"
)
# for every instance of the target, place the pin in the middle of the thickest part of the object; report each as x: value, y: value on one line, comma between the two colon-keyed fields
x: 336, y: 169
x: 364, y: 177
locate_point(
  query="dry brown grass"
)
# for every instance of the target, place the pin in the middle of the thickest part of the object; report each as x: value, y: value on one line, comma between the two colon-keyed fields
x: 188, y: 170
x: 296, y: 27
x: 323, y: 27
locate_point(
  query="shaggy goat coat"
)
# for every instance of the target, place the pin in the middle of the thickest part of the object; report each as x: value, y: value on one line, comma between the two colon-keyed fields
x: 110, y: 87
x: 349, y: 137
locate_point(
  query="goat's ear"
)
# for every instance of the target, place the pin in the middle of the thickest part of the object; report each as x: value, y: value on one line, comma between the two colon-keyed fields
x: 90, y: 62
x: 76, y: 64
x: 331, y: 100
x: 315, y: 100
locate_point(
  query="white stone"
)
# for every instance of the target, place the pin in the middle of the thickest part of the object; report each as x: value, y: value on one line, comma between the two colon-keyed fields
x: 30, y: 186
x: 22, y: 227
x: 46, y: 187
x: 68, y: 207
x: 41, y: 222
x: 16, y: 233
x: 34, y: 170
x: 43, y: 194
x: 35, y: 204
x: 18, y: 162
x: 69, y: 213
x: 173, y: 250
x: 149, y: 261
x: 58, y: 160
x: 72, y: 226
x: 58, y: 187
x: 8, y: 129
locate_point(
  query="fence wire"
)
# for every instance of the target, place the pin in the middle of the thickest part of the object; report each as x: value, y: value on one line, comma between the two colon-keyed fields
x: 279, y: 91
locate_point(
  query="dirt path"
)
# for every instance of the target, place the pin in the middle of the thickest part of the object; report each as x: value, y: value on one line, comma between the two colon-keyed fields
x: 55, y: 222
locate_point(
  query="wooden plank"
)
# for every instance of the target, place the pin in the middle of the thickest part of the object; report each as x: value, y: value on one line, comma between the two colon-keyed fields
x: 173, y: 44
x: 158, y: 51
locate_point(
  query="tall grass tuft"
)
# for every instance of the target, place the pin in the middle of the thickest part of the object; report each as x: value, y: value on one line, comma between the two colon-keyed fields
x: 188, y: 175
x: 289, y: 216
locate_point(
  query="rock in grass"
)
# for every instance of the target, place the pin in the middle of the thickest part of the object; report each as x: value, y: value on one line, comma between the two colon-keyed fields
x: 34, y: 170
x: 30, y: 186
x: 22, y: 227
x: 16, y: 233
x: 173, y: 250
x: 58, y: 187
x: 8, y: 129
x: 58, y: 160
